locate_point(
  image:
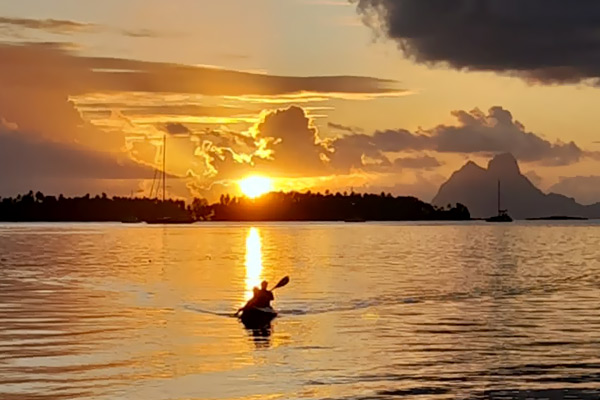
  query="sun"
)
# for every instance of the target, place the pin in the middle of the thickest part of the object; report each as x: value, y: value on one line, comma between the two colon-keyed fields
x: 255, y: 186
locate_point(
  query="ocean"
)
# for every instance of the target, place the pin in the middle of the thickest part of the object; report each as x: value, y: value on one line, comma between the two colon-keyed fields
x: 372, y: 311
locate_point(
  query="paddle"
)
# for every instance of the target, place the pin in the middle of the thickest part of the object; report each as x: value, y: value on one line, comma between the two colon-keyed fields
x: 284, y: 281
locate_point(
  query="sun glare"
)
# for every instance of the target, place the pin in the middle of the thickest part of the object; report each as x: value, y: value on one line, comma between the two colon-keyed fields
x: 253, y: 261
x: 255, y: 186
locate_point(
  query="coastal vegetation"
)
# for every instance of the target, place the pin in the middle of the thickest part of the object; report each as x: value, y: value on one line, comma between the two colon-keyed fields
x: 275, y: 206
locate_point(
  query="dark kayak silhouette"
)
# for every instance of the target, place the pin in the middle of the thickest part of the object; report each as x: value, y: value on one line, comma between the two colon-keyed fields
x: 254, y: 317
x: 257, y: 318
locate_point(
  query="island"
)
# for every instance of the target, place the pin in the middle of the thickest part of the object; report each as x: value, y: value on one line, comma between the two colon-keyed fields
x: 274, y: 206
x: 558, y: 218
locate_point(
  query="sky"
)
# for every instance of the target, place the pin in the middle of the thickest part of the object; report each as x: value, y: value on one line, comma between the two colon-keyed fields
x: 339, y: 95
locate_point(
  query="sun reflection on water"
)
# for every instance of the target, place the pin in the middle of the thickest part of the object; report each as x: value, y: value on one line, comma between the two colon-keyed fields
x: 253, y: 261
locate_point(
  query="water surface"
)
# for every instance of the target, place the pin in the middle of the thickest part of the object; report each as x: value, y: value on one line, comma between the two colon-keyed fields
x: 373, y: 311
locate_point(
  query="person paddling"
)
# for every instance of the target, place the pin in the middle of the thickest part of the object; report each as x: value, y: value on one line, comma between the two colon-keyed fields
x: 261, y: 298
x: 264, y: 297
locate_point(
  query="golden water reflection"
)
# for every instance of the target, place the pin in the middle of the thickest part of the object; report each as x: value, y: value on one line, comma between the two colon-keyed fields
x: 253, y: 261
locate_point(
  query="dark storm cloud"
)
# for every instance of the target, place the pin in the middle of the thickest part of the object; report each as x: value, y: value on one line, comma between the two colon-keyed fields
x: 476, y: 132
x: 543, y: 40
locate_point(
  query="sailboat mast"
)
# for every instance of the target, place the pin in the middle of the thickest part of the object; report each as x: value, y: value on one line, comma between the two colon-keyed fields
x: 164, y: 175
x: 498, y: 196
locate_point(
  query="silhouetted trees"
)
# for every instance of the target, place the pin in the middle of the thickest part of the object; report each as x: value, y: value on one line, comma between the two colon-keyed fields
x: 278, y: 206
x: 309, y: 206
x: 39, y: 207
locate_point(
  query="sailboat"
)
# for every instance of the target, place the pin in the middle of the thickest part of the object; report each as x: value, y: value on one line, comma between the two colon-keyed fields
x: 167, y: 220
x: 502, y: 214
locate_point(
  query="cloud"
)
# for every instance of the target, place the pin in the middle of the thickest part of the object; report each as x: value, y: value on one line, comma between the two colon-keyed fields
x: 7, y: 126
x: 476, y: 132
x: 23, y: 156
x: 585, y: 189
x: 175, y: 128
x: 140, y: 33
x: 137, y: 108
x: 283, y: 143
x: 422, y: 162
x: 59, y: 69
x: 344, y: 128
x: 48, y: 89
x: 362, y: 150
x: 335, y: 3
x: 534, y: 178
x: 550, y: 41
x: 421, y: 187
x: 12, y: 26
x: 26, y: 163
x: 57, y: 26
x: 498, y: 132
x: 293, y: 142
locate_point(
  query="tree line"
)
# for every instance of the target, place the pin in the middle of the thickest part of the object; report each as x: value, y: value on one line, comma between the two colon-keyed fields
x: 100, y: 208
x: 276, y: 206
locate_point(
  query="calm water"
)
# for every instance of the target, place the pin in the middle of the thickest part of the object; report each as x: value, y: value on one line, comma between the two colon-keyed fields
x: 373, y: 311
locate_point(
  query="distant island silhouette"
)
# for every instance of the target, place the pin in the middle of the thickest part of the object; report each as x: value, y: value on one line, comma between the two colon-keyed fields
x: 558, y: 218
x: 476, y: 188
x: 276, y: 206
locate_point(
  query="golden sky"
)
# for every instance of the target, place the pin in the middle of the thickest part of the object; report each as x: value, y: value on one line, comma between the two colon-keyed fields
x: 379, y: 95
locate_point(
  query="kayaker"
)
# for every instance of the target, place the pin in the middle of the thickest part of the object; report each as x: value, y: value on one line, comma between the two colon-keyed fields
x: 261, y: 298
x: 264, y: 297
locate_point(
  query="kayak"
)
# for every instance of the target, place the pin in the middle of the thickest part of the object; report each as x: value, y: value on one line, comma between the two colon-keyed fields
x: 256, y: 318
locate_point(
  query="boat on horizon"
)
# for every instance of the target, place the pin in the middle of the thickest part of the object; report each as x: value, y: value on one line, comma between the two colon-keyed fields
x: 169, y: 220
x: 131, y: 220
x: 502, y: 214
x: 355, y: 220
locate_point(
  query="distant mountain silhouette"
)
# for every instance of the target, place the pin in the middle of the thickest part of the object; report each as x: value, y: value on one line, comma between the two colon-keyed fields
x: 476, y: 188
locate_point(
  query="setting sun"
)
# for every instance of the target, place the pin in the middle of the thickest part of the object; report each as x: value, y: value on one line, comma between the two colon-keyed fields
x: 255, y: 186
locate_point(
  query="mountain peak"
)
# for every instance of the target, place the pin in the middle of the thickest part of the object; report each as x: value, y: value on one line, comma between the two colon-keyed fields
x: 470, y: 169
x: 471, y: 165
x: 476, y: 188
x: 503, y: 165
